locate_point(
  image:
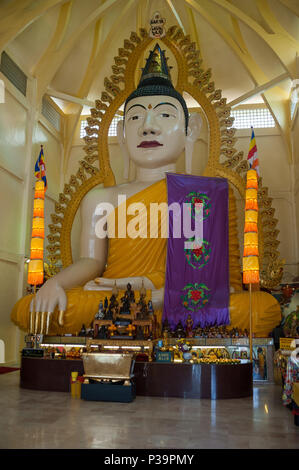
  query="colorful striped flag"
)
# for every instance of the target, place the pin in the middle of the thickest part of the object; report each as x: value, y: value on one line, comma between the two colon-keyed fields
x: 252, y: 154
x: 40, y: 168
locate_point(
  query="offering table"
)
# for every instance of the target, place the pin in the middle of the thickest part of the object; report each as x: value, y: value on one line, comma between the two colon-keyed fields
x: 214, y: 381
x: 184, y: 380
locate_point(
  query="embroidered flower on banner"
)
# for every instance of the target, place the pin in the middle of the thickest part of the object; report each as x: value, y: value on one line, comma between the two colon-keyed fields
x: 198, y: 256
x: 195, y: 296
x: 198, y: 201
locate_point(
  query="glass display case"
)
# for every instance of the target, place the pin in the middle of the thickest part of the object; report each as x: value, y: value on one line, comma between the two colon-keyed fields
x: 232, y: 348
x: 238, y: 348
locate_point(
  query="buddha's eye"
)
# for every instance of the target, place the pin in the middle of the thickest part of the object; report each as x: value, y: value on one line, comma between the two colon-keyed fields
x: 166, y: 115
x: 134, y: 118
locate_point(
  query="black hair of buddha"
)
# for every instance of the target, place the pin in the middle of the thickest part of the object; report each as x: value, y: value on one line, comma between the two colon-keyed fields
x: 158, y: 86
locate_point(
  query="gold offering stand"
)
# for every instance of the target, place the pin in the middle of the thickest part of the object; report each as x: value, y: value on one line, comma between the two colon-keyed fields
x: 146, y: 325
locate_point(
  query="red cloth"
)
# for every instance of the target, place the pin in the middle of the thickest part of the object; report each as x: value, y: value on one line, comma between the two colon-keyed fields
x: 5, y: 370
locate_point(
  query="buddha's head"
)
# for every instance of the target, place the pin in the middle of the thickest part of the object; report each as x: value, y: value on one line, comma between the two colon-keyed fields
x: 156, y: 127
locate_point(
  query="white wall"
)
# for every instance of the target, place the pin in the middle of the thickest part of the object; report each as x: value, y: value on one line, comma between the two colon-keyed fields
x: 13, y: 117
x: 22, y: 131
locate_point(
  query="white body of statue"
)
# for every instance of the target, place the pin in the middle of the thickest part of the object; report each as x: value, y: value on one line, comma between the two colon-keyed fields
x: 152, y: 135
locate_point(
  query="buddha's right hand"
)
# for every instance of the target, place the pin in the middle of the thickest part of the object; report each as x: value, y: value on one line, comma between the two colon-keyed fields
x: 42, y: 306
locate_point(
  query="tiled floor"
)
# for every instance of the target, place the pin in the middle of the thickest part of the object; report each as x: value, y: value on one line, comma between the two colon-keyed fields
x: 43, y: 420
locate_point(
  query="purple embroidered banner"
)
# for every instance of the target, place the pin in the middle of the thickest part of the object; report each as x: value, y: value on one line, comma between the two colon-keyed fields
x: 197, y: 278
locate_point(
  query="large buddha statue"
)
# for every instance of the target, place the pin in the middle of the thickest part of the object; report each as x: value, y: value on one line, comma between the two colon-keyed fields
x: 155, y: 131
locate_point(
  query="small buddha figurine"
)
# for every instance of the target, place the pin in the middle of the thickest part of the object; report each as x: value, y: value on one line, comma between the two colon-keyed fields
x: 113, y: 300
x: 166, y: 328
x: 125, y: 306
x: 189, y: 326
x: 100, y: 314
x: 129, y: 294
x: 143, y: 313
x: 224, y: 333
x: 82, y: 331
x: 141, y: 301
x: 150, y: 307
x: 139, y: 333
x: 287, y: 292
x: 142, y: 306
x: 102, y: 333
x: 105, y: 305
x: 90, y: 331
x: 115, y: 290
x: 180, y: 331
x: 110, y: 310
x: 134, y: 310
x: 165, y: 335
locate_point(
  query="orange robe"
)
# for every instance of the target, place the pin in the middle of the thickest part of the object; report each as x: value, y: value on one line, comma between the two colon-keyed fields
x: 128, y: 257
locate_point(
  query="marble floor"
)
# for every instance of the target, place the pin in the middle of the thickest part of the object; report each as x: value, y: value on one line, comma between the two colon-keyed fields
x: 43, y: 420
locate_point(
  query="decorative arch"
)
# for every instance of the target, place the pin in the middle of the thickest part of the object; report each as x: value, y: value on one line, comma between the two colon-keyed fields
x: 197, y: 82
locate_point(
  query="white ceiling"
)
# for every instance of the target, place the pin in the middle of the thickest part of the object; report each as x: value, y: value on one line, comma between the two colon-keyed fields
x: 71, y: 37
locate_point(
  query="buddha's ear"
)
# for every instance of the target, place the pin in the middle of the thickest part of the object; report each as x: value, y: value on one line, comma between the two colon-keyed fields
x: 194, y: 126
x: 193, y: 133
x: 123, y: 148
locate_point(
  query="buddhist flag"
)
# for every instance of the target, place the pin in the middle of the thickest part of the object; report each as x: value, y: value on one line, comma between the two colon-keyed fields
x: 252, y: 154
x: 40, y: 168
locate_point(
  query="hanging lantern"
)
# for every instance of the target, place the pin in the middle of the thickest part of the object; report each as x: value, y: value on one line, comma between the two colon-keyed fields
x: 35, y: 272
x: 36, y: 263
x: 38, y: 229
x: 38, y: 208
x: 250, y: 254
x: 39, y: 190
x: 36, y: 248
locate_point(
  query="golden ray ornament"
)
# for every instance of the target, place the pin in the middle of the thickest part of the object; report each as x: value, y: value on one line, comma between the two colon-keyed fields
x: 224, y: 159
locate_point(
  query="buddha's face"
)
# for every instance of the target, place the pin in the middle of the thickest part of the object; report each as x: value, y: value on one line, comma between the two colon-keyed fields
x: 154, y: 130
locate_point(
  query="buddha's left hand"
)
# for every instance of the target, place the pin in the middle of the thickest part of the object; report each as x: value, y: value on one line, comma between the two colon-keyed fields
x: 136, y: 283
x: 121, y: 283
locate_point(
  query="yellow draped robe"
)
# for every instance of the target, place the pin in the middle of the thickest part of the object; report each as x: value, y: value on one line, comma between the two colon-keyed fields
x: 131, y: 257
